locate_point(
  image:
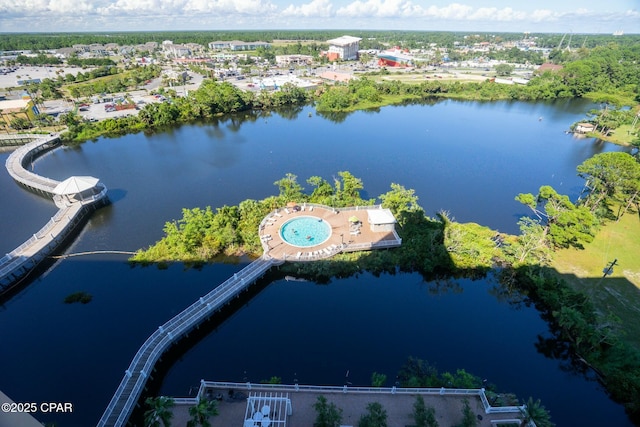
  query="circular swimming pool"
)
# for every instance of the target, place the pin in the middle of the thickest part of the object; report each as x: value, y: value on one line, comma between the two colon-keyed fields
x: 305, y: 231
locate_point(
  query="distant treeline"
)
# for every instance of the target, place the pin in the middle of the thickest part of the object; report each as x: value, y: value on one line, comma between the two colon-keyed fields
x: 371, y: 39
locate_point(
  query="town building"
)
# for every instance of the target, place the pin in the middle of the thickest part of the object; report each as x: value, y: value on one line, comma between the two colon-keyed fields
x: 381, y: 220
x: 585, y: 127
x: 175, y: 50
x: 237, y: 45
x: 287, y: 60
x: 17, y: 108
x: 344, y: 48
x: 395, y: 57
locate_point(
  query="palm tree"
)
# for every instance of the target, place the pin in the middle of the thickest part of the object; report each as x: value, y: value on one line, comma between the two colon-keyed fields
x: 201, y: 413
x: 160, y: 411
x: 534, y: 411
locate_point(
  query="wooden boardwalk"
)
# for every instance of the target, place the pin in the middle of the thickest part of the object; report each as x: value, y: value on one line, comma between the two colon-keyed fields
x: 135, y: 378
x: 19, y: 262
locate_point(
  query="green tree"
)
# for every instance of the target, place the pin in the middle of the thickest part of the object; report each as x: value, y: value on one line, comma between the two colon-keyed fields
x: 272, y: 380
x: 336, y: 98
x: 401, y: 201
x: 289, y: 188
x: 322, y: 192
x: 376, y: 416
x: 423, y: 416
x: 20, y: 123
x: 347, y: 189
x: 504, y: 69
x: 378, y: 380
x: 533, y: 411
x: 159, y: 412
x: 327, y: 414
x: 567, y: 224
x: 201, y: 412
x: 532, y: 245
x: 468, y: 417
x: 610, y: 178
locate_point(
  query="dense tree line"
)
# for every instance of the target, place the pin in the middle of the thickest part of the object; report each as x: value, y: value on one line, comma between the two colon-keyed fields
x: 591, y: 340
x: 372, y: 39
x: 90, y: 62
x: 39, y: 59
x: 210, y: 100
x: 606, y: 74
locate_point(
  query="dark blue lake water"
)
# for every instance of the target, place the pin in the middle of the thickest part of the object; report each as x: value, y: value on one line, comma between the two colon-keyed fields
x: 470, y: 159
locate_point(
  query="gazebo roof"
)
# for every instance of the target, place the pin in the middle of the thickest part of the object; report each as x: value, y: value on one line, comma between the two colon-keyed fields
x: 381, y: 216
x: 75, y: 185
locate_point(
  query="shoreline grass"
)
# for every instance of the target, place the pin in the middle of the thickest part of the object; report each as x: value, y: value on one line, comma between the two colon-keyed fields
x: 619, y: 293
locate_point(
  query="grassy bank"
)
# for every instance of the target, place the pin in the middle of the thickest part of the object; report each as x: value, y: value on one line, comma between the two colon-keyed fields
x: 618, y: 294
x: 623, y: 135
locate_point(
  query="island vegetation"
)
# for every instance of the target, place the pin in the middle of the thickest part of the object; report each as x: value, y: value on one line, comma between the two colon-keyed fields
x: 78, y: 297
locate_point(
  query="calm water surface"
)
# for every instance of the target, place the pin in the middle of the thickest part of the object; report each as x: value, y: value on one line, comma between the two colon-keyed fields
x: 470, y: 159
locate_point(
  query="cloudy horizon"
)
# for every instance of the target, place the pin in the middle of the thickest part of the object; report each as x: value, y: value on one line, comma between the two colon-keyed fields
x: 544, y: 16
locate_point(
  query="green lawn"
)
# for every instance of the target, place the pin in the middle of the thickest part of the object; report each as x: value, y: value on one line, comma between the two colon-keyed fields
x: 421, y: 76
x: 618, y: 294
x: 624, y: 135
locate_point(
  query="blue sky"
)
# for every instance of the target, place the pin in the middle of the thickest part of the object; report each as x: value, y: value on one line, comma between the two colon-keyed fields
x: 561, y: 16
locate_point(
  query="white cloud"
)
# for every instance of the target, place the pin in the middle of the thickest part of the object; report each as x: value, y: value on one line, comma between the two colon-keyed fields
x: 543, y: 15
x: 379, y: 9
x: 495, y: 14
x: 454, y: 11
x: 319, y: 8
x: 245, y: 7
x: 87, y: 15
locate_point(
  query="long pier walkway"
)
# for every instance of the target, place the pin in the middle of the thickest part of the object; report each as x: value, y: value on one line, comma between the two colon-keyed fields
x: 135, y: 378
x: 73, y: 207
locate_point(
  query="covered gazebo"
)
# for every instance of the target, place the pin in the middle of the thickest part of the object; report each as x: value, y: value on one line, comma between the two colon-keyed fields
x: 381, y: 220
x: 76, y: 188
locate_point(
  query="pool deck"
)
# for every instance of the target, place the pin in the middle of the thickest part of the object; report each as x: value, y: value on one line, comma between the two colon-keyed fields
x: 399, y: 408
x: 341, y: 240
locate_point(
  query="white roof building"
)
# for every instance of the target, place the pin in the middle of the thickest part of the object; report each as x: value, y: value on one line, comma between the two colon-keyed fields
x: 345, y: 48
x: 381, y: 220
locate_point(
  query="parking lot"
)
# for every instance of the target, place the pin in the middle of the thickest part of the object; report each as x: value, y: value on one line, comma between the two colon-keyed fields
x: 10, y: 80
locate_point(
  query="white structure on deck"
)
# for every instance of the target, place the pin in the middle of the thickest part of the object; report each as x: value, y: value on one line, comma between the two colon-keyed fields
x: 345, y: 48
x: 266, y: 409
x: 381, y: 220
x: 76, y: 188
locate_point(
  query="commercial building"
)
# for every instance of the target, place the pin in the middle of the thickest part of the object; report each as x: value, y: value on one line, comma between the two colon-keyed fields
x: 17, y: 108
x: 345, y: 48
x: 236, y: 45
x: 286, y: 60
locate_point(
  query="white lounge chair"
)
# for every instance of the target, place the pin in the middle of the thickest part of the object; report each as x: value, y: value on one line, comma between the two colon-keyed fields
x: 298, y: 255
x: 310, y: 208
